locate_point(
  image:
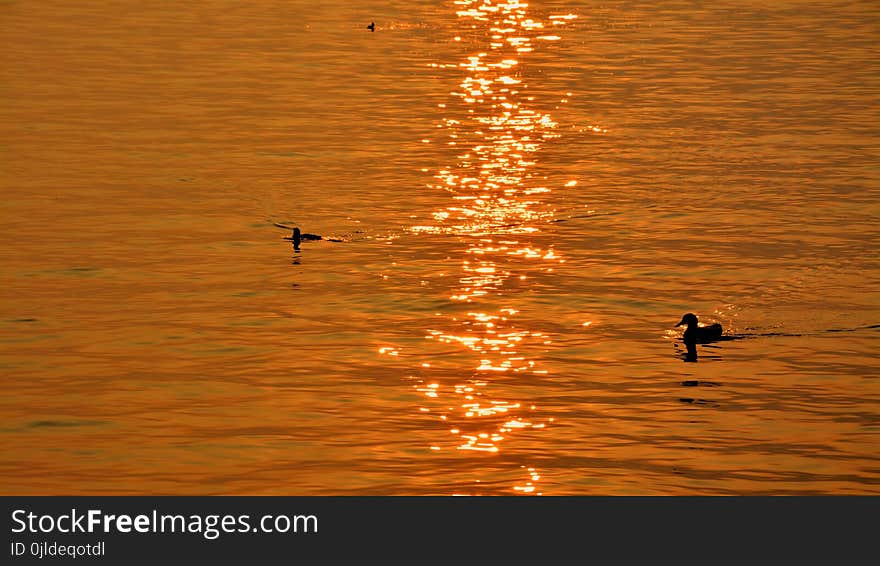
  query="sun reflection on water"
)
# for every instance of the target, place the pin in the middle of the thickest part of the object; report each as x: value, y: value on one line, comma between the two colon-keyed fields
x: 497, y: 129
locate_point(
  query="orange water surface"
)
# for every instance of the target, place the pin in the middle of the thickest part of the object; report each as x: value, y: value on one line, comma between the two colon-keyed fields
x: 527, y: 198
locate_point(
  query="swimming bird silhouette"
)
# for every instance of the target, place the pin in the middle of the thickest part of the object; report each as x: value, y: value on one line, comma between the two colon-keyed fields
x: 298, y: 237
x: 372, y: 26
x: 694, y: 333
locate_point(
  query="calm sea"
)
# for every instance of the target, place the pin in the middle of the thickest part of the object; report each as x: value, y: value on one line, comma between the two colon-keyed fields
x: 528, y: 197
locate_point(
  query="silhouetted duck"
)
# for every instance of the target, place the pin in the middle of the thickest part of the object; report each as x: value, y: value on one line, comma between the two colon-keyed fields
x: 695, y: 334
x: 298, y: 237
x: 372, y: 26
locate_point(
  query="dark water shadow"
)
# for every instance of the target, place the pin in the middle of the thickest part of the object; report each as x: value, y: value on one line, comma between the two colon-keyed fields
x: 690, y: 354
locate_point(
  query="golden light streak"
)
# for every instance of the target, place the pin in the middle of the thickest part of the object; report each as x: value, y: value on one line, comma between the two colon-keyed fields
x: 497, y: 203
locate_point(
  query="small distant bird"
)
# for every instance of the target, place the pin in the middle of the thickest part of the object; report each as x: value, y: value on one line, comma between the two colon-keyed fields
x: 297, y: 237
x: 372, y: 26
x: 694, y: 333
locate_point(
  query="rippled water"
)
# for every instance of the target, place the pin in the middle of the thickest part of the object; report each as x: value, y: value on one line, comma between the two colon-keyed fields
x: 529, y: 197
